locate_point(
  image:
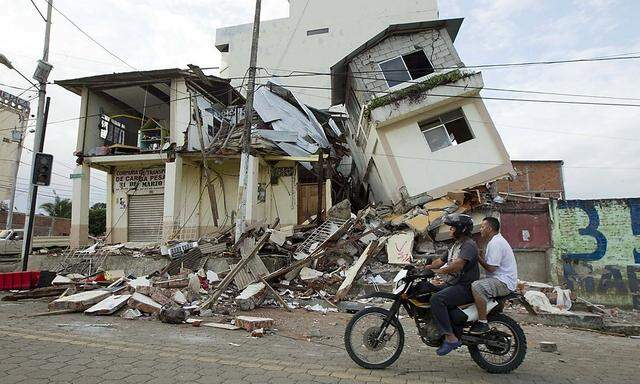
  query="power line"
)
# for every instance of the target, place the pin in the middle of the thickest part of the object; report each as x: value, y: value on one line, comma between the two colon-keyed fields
x: 487, y: 97
x: 38, y: 10
x: 18, y: 88
x: 296, y: 73
x: 90, y: 37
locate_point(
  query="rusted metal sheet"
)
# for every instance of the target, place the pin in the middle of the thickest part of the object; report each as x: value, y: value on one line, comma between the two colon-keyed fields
x: 526, y: 230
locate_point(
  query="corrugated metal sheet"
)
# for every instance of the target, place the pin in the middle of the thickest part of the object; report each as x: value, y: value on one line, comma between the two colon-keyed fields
x: 145, y: 218
x: 526, y: 230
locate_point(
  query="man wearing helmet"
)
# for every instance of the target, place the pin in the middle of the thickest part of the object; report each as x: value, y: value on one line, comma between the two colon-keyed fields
x: 456, y: 270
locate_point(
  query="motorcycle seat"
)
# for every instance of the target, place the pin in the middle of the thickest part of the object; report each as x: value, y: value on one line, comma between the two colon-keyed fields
x: 510, y: 296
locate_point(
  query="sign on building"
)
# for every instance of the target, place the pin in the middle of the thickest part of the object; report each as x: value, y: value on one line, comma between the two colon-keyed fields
x: 139, y: 180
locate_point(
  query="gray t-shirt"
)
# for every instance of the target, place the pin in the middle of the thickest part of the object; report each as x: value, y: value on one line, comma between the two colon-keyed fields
x: 466, y: 250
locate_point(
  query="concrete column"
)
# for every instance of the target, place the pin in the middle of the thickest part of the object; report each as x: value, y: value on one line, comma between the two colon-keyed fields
x: 80, y: 208
x: 172, y: 196
x: 252, y: 189
x: 109, y: 224
x: 180, y: 111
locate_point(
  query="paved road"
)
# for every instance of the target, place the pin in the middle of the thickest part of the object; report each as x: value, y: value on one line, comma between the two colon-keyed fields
x: 72, y: 349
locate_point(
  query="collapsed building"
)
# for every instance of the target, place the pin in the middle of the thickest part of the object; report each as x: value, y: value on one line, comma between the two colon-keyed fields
x: 159, y: 135
x: 416, y: 123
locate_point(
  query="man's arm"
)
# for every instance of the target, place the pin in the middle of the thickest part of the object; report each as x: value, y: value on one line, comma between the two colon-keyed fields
x: 437, y: 263
x: 489, y: 255
x: 454, y: 267
x: 490, y: 268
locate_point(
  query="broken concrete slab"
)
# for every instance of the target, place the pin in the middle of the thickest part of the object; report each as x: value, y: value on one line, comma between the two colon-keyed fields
x: 108, y: 306
x: 400, y: 248
x: 251, y: 296
x: 278, y: 237
x: 229, y: 327
x: 308, y: 274
x: 60, y: 280
x: 144, y: 303
x: 251, y: 323
x: 79, y: 301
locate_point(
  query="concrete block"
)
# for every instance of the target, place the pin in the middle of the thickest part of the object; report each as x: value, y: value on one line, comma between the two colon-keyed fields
x: 144, y: 303
x: 79, y: 301
x: 251, y: 323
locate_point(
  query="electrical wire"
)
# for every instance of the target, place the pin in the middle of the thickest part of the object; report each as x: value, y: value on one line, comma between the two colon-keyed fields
x: 38, y: 10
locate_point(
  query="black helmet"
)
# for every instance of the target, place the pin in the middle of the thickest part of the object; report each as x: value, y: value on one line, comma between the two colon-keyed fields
x: 461, y: 222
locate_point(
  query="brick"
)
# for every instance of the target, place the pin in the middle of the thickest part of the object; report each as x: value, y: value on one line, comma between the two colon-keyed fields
x: 250, y: 323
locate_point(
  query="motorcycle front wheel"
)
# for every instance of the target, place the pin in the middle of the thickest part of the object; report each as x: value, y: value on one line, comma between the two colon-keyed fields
x: 510, y: 352
x: 374, y: 338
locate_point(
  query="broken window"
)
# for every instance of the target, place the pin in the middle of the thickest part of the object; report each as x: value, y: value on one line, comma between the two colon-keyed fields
x: 446, y: 130
x: 111, y: 130
x: 405, y: 68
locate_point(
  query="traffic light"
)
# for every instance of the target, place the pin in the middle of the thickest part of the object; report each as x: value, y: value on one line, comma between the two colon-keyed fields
x: 42, y: 171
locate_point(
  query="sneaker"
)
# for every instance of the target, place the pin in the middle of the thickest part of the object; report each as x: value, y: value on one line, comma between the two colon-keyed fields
x: 478, y: 328
x: 448, y: 347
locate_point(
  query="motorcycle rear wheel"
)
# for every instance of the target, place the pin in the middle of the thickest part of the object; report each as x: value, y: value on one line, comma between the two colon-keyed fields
x: 362, y: 332
x: 480, y: 353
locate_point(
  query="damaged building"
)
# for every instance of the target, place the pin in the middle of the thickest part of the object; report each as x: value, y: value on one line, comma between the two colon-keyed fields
x: 416, y: 123
x: 146, y: 131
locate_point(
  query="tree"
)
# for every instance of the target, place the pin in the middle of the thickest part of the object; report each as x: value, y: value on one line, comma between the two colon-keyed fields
x: 59, y: 207
x: 98, y: 219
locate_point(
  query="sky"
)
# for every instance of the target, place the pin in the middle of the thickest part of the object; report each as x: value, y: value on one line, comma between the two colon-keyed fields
x: 599, y: 144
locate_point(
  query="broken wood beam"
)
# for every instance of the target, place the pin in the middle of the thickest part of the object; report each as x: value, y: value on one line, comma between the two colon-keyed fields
x: 36, y: 293
x: 275, y: 294
x: 232, y: 274
x: 354, y: 270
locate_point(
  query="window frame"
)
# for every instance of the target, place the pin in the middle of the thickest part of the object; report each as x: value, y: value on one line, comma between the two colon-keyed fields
x: 441, y: 124
x: 404, y: 63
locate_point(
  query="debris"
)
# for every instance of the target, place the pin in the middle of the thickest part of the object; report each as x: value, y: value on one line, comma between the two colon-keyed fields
x: 144, y: 303
x: 275, y: 294
x: 400, y: 248
x: 352, y: 272
x: 139, y: 282
x: 108, y: 306
x: 79, y: 301
x: 59, y: 280
x: 250, y: 323
x: 113, y: 275
x: 212, y: 277
x: 131, y: 314
x: 319, y: 308
x: 179, y: 298
x: 35, y: 293
x: 377, y: 279
x: 546, y: 346
x: 257, y: 332
x: 179, y: 249
x: 278, y: 237
x: 172, y: 315
x: 307, y: 274
x: 194, y: 322
x: 229, y: 327
x: 234, y: 344
x: 251, y: 296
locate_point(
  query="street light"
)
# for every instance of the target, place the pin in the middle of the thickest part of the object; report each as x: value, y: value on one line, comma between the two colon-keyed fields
x: 7, y: 63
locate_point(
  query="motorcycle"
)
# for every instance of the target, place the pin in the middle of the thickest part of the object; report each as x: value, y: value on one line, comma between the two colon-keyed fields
x: 374, y: 337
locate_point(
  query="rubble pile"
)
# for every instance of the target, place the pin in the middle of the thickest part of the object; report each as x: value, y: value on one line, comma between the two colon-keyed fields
x: 318, y: 266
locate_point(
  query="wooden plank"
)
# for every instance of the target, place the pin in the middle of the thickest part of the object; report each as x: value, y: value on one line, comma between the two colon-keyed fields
x: 353, y: 271
x: 275, y: 295
x: 36, y: 293
x: 227, y: 279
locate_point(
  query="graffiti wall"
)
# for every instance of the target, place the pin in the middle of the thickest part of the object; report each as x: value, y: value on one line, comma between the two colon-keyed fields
x: 597, y: 249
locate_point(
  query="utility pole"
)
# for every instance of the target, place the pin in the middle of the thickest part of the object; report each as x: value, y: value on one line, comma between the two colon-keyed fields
x: 38, y: 141
x: 246, y: 142
x: 24, y: 119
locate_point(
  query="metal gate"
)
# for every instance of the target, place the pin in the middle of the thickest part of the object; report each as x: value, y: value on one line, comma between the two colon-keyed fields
x: 145, y: 218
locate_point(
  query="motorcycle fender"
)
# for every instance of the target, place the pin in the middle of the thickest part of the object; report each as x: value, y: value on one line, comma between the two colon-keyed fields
x: 472, y: 312
x: 383, y: 295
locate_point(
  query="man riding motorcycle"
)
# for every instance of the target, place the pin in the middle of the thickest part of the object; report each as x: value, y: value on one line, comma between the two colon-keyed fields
x: 456, y: 270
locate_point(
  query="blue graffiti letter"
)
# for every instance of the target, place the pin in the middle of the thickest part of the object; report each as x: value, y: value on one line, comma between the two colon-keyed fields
x: 634, y: 207
x: 590, y: 230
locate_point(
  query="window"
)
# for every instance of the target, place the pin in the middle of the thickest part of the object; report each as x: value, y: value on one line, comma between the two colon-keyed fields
x: 111, y: 130
x: 317, y: 31
x: 405, y: 68
x: 446, y: 130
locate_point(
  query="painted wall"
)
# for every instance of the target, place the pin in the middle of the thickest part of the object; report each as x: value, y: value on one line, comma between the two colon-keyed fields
x: 407, y: 158
x: 9, y: 150
x: 597, y: 249
x: 284, y: 43
x: 193, y: 216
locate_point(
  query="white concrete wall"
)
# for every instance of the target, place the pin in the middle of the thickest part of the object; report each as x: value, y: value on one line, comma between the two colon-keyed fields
x: 406, y: 159
x: 284, y: 43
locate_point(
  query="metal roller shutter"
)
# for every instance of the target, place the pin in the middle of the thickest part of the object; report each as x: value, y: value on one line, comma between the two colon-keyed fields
x: 145, y: 218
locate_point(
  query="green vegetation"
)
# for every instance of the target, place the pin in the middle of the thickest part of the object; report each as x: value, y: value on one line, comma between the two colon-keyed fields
x: 414, y: 91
